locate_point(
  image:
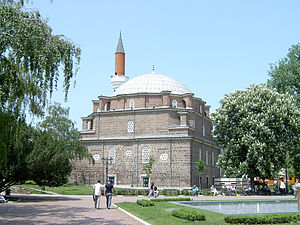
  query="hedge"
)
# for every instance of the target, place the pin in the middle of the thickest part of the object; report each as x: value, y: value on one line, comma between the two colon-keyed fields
x: 262, y: 219
x: 187, y: 214
x: 170, y: 199
x: 145, y: 203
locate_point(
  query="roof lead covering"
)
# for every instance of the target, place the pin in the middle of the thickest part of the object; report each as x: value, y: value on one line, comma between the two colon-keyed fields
x: 120, y: 48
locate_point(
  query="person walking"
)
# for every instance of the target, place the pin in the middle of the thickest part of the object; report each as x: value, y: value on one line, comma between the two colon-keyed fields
x: 108, y: 193
x: 151, y: 190
x: 195, y: 190
x: 97, y: 194
x: 155, y: 191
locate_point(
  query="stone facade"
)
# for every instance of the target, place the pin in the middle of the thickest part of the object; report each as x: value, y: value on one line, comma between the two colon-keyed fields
x: 131, y: 128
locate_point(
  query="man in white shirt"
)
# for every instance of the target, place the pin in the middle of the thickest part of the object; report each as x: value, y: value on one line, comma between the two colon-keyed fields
x: 97, y: 194
x: 282, y: 188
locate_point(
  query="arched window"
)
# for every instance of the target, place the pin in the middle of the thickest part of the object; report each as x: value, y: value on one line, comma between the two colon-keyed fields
x: 200, y: 154
x: 107, y: 106
x: 174, y: 103
x: 145, y: 155
x: 112, y: 154
x: 183, y: 104
x: 206, y: 158
x: 130, y: 126
x: 131, y: 103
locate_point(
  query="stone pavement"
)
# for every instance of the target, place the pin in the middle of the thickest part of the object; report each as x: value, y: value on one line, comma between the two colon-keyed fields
x: 80, y: 210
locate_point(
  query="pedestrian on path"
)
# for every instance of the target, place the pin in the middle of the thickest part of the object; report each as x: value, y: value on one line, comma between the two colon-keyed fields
x: 108, y: 193
x: 97, y: 194
x: 195, y: 190
x: 151, y: 190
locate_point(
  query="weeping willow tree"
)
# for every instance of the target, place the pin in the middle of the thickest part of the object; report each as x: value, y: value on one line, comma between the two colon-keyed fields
x: 32, y: 60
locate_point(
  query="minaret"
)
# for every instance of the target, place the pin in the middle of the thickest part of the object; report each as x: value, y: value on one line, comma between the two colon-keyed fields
x: 119, y: 78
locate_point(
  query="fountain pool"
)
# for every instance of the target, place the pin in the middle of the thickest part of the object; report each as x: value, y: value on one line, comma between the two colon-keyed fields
x: 245, y: 207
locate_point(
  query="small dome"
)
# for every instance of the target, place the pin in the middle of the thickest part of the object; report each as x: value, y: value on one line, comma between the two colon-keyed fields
x: 151, y: 83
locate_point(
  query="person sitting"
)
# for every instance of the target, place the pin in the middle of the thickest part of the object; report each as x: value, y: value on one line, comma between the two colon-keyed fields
x: 213, y: 189
x: 224, y: 191
x: 267, y: 190
x: 233, y: 191
x: 195, y: 190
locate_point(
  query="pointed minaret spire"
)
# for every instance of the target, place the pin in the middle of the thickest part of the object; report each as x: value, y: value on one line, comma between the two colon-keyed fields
x: 120, y: 58
x: 119, y: 77
x: 120, y: 48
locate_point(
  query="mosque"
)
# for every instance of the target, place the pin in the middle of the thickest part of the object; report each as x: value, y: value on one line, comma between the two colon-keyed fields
x: 149, y: 116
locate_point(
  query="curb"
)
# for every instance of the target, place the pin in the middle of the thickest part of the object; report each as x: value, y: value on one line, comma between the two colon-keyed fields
x: 131, y: 215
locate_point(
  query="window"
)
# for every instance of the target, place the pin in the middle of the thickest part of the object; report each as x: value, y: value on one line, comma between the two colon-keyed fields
x: 200, y: 108
x: 145, y: 181
x: 131, y: 103
x: 200, y: 154
x: 112, y: 154
x: 130, y: 126
x: 203, y: 130
x: 183, y: 104
x: 96, y: 157
x: 145, y: 155
x: 107, y: 106
x: 112, y: 180
x: 128, y: 152
x: 206, y: 158
x: 174, y: 103
x: 213, y: 158
x: 163, y: 156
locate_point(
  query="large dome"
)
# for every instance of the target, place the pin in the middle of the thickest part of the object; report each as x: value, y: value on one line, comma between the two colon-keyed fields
x: 151, y: 83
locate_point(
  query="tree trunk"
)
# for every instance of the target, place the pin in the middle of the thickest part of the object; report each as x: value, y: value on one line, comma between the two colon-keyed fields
x: 252, y: 183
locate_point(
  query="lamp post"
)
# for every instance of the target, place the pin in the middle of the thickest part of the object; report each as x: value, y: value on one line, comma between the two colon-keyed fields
x: 108, y: 160
x: 286, y: 172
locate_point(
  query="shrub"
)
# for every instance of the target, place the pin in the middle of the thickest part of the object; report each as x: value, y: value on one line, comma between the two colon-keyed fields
x: 187, y: 192
x: 205, y: 192
x: 170, y: 192
x: 142, y: 192
x: 145, y: 203
x: 170, y: 199
x: 263, y: 219
x: 187, y: 214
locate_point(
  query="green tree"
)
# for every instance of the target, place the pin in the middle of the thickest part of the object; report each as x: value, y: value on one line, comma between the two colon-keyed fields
x: 200, y: 166
x: 148, y: 167
x: 14, y: 169
x: 31, y: 58
x: 285, y: 74
x: 56, y: 143
x: 256, y: 127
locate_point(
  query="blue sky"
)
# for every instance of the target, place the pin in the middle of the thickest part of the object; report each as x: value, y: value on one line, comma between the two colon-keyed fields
x: 213, y: 47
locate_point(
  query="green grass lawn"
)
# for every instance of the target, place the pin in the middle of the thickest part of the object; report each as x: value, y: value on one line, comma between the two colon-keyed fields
x: 62, y: 190
x: 158, y: 215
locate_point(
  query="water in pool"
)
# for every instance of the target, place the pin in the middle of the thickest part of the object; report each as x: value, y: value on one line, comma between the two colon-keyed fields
x: 246, y: 207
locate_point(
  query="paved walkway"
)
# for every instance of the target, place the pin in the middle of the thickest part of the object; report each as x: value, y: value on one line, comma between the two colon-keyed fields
x: 79, y: 210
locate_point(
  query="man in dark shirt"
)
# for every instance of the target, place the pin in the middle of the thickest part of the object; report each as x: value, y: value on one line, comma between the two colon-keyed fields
x: 108, y: 193
x: 151, y: 190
